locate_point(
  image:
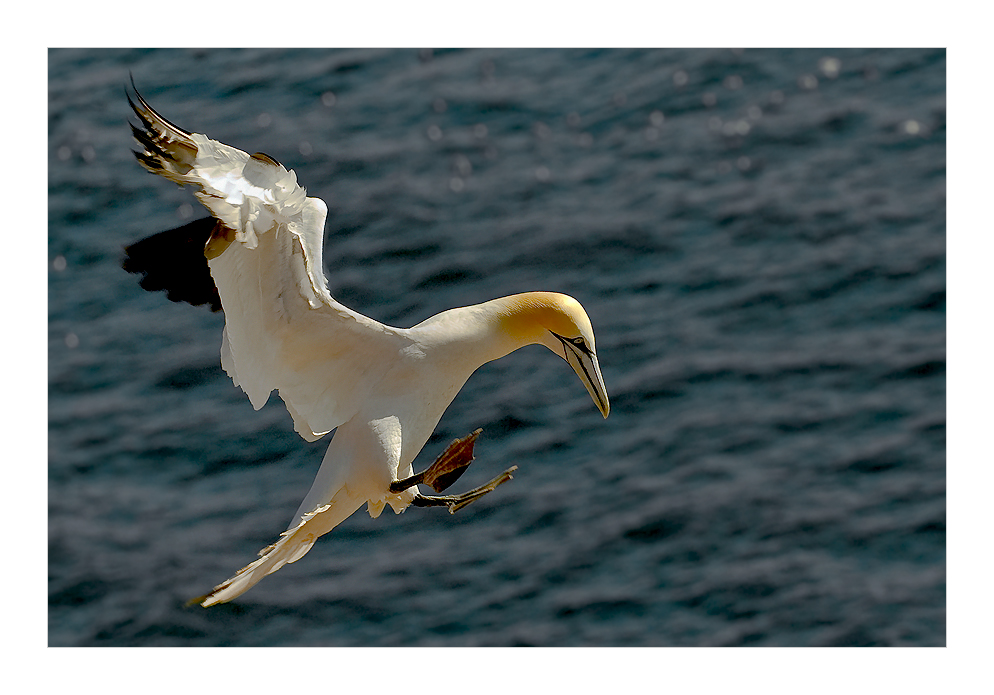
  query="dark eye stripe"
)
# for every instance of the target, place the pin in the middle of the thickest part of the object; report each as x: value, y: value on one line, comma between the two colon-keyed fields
x: 578, y: 343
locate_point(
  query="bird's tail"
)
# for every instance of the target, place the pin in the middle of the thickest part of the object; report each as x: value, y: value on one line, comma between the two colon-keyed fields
x: 292, y: 545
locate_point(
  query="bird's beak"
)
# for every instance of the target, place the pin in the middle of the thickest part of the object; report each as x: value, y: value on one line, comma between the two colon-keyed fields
x: 586, y: 367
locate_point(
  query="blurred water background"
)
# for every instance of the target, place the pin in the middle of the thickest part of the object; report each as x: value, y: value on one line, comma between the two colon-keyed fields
x: 758, y: 237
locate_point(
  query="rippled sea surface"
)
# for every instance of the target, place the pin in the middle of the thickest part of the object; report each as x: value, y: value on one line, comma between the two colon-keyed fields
x: 758, y: 237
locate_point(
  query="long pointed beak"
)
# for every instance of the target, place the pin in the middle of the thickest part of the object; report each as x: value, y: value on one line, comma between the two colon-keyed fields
x: 586, y: 367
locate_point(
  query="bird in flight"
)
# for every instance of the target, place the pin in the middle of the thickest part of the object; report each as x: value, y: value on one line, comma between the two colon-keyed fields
x: 258, y: 258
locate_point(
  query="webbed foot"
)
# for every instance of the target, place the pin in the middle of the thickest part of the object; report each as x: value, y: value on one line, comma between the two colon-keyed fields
x: 457, y: 502
x: 446, y: 469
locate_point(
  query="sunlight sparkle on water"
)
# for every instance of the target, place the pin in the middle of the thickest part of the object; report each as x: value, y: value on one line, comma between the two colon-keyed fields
x: 830, y: 67
x: 463, y: 165
x: 911, y: 127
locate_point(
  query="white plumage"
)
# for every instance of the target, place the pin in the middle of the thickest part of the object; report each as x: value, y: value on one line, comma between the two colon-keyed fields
x: 383, y: 388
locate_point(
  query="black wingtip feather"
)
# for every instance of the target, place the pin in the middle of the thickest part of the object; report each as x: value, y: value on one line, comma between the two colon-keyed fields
x: 138, y: 112
x: 148, y: 108
x: 263, y: 157
x: 174, y: 261
x: 144, y: 138
x: 151, y: 146
x: 144, y: 158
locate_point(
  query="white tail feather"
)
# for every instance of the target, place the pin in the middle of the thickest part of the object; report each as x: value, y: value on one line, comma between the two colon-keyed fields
x: 292, y: 545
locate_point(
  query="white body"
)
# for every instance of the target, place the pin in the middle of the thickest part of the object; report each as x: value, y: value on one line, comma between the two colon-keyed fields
x: 383, y: 388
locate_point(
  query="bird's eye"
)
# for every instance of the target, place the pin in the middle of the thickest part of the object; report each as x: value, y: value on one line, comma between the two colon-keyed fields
x: 578, y: 343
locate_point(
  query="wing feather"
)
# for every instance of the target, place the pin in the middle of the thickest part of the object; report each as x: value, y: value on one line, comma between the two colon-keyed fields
x: 283, y: 330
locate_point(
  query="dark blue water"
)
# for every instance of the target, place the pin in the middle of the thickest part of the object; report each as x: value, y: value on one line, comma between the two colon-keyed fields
x: 758, y: 237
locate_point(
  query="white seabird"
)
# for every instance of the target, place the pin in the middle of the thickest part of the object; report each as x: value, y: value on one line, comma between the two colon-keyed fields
x: 383, y: 388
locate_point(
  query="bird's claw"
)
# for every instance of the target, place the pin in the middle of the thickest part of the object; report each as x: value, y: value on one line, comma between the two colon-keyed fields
x: 457, y: 502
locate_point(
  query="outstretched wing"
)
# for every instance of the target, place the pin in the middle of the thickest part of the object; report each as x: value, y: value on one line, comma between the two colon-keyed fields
x: 283, y: 330
x: 174, y: 261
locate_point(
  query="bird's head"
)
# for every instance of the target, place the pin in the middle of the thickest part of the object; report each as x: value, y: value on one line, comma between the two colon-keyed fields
x: 559, y: 322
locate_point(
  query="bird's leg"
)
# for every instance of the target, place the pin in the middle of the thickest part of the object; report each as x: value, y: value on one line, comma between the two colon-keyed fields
x: 457, y: 502
x: 446, y: 469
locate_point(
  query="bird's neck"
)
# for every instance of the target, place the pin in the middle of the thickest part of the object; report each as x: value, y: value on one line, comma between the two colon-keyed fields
x: 485, y: 332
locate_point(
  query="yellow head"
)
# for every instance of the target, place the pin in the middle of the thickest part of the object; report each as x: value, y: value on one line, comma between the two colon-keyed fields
x: 559, y: 322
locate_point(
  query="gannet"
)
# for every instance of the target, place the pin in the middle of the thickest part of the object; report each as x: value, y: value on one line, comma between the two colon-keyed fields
x: 381, y: 389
